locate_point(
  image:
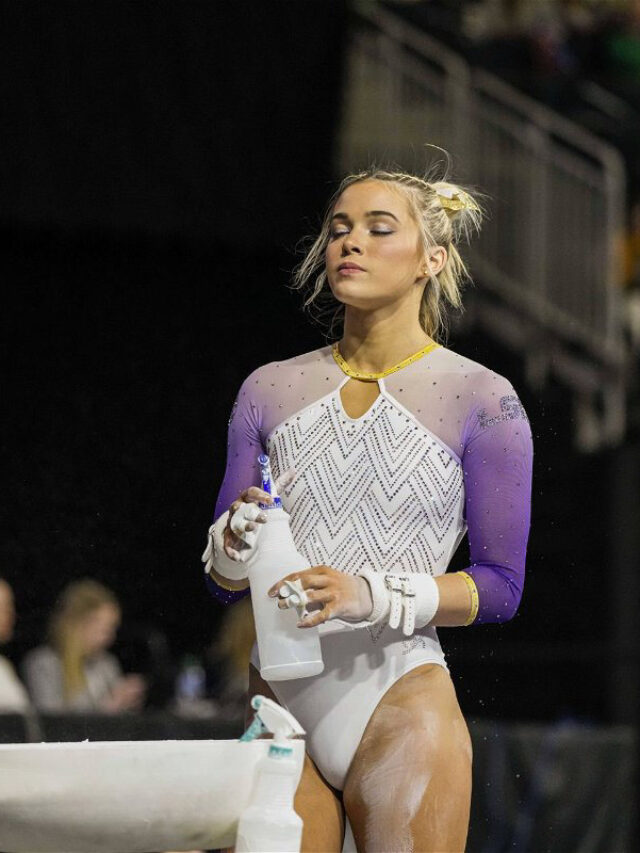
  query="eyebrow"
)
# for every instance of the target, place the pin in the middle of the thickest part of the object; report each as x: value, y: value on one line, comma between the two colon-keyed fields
x: 368, y: 213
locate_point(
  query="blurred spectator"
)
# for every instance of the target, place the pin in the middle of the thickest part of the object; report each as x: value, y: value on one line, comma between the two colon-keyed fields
x: 13, y: 696
x: 143, y: 647
x: 227, y: 660
x: 631, y: 276
x: 631, y: 272
x: 75, y: 671
x: 621, y: 49
x: 547, y: 48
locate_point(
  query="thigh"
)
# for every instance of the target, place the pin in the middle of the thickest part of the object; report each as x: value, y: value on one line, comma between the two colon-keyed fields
x: 409, y: 784
x: 317, y: 803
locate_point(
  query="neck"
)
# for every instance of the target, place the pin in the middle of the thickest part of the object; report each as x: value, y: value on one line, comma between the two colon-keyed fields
x: 373, y: 345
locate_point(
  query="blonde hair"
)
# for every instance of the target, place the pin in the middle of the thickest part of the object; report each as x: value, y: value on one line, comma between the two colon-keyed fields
x: 445, y: 214
x: 76, y: 602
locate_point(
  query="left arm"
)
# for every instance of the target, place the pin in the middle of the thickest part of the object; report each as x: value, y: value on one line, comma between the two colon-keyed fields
x: 497, y: 464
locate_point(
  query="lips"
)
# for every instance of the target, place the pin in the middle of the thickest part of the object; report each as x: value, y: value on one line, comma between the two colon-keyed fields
x: 350, y: 266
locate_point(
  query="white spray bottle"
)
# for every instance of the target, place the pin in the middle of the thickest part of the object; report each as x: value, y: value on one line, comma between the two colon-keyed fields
x: 269, y: 823
x: 285, y: 650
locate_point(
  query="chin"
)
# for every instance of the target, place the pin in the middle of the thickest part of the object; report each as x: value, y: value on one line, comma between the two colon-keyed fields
x: 365, y: 297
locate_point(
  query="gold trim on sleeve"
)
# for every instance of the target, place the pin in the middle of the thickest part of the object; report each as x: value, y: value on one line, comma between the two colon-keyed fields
x: 228, y: 588
x: 473, y: 592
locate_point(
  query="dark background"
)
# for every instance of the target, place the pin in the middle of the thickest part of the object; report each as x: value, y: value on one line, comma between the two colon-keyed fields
x: 159, y: 163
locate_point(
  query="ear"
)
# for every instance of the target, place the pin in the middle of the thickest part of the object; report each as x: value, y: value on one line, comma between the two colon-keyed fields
x: 435, y: 260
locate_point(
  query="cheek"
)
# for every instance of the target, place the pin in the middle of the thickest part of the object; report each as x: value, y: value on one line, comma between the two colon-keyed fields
x: 397, y: 252
x: 332, y: 251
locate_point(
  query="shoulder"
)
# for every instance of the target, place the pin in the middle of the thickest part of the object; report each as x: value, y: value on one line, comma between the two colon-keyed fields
x: 456, y: 364
x: 7, y: 672
x: 42, y: 657
x: 309, y: 359
x: 267, y: 376
x: 484, y: 396
x: 6, y: 667
x: 474, y: 383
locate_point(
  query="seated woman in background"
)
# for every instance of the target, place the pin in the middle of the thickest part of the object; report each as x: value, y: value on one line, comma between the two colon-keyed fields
x: 75, y: 672
x: 13, y: 696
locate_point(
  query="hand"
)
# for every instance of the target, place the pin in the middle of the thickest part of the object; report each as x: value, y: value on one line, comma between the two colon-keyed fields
x: 330, y: 595
x: 233, y: 542
x: 128, y: 694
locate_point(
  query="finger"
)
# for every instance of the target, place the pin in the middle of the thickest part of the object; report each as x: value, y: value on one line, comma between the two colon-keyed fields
x: 314, y: 580
x: 230, y: 540
x: 255, y: 516
x: 254, y: 494
x: 245, y: 512
x: 242, y: 522
x: 320, y: 596
x: 307, y: 578
x: 285, y: 479
x: 316, y: 618
x: 231, y: 552
x: 233, y: 545
x: 275, y: 589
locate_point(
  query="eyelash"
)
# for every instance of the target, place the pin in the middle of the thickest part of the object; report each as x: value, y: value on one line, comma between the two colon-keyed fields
x: 335, y: 234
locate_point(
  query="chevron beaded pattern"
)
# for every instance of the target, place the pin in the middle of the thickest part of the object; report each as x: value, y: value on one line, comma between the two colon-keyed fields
x: 376, y: 492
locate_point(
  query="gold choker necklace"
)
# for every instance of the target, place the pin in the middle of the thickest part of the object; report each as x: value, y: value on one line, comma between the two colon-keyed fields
x: 373, y: 376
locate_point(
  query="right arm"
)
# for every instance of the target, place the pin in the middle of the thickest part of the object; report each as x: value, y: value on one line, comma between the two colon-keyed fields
x: 244, y: 445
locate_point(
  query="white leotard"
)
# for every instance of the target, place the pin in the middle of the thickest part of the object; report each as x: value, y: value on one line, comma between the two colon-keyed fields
x: 389, y: 490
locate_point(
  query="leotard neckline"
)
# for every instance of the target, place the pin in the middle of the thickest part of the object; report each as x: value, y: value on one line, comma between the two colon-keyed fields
x: 355, y: 374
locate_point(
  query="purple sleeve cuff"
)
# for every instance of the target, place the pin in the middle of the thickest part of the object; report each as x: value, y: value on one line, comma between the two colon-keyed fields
x: 225, y: 596
x: 499, y: 592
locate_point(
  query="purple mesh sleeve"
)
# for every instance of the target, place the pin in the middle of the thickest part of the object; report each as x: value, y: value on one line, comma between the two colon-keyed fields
x: 497, y: 466
x: 244, y: 445
x: 225, y: 596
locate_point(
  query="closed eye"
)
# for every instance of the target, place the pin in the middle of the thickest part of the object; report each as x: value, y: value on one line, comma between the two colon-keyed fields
x: 335, y: 234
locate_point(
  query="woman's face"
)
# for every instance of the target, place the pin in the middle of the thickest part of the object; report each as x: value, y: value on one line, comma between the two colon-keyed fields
x: 98, y: 629
x: 7, y: 612
x: 372, y: 227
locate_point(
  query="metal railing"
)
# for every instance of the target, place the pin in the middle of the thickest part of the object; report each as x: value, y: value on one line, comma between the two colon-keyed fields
x: 548, y: 258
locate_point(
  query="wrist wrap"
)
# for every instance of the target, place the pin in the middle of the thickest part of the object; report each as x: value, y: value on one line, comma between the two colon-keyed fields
x: 412, y: 599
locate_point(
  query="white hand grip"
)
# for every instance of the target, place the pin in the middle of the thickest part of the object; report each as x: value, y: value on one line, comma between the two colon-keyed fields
x: 246, y: 512
x: 215, y: 556
x: 295, y: 596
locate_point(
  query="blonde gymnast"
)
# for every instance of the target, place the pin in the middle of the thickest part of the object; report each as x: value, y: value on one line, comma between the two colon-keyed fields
x: 400, y: 446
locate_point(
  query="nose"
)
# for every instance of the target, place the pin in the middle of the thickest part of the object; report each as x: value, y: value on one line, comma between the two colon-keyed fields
x: 349, y: 245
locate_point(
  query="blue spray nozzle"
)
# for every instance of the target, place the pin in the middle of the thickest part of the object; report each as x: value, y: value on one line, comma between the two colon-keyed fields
x: 271, y: 717
x: 256, y: 728
x: 267, y: 482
